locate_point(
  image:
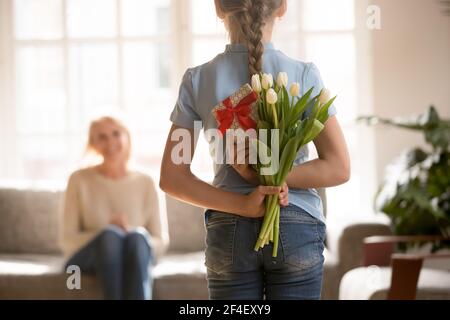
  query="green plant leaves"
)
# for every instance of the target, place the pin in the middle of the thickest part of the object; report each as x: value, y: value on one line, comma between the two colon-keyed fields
x: 294, y: 130
x: 323, y: 112
x: 436, y: 130
x: 286, y: 160
x: 300, y: 107
x: 416, y: 196
x: 315, y: 130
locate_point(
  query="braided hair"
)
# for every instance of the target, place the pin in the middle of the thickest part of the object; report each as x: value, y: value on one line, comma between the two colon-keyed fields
x: 246, y: 20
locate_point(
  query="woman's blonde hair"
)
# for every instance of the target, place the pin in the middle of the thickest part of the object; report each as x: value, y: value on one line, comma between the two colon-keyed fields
x: 246, y: 20
x: 90, y: 148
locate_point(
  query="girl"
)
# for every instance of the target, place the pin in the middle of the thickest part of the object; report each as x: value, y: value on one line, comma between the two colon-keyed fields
x: 112, y: 223
x: 236, y: 204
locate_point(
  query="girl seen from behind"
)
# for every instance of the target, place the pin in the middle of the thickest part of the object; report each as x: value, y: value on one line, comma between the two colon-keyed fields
x: 235, y: 200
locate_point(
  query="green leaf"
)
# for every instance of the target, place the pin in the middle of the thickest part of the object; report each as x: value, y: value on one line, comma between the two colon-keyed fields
x: 302, y: 131
x: 262, y: 148
x: 315, y: 109
x: 438, y: 135
x: 323, y: 113
x: 285, y: 106
x: 281, y: 132
x: 300, y: 106
x: 284, y: 141
x: 286, y: 160
x: 316, y: 128
x: 263, y: 125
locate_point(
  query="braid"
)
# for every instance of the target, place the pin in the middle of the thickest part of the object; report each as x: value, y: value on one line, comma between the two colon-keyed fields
x: 246, y: 21
x: 252, y: 23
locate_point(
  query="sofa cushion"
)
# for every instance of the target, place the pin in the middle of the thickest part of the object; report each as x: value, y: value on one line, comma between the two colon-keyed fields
x: 373, y: 283
x: 31, y: 276
x: 186, y: 226
x: 29, y: 221
x: 181, y: 277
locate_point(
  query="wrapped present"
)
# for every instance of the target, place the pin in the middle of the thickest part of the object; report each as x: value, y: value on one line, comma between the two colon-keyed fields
x: 239, y: 110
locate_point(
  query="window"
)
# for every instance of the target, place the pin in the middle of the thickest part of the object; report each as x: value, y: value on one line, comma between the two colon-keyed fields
x: 66, y: 61
x: 76, y: 59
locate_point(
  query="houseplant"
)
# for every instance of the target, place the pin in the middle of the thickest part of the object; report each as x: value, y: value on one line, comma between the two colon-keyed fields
x: 416, y: 191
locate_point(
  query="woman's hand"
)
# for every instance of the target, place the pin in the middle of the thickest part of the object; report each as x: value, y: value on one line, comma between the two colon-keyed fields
x: 121, y: 221
x: 255, y: 205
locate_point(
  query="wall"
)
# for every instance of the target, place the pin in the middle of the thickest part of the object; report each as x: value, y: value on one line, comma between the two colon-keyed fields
x: 411, y: 69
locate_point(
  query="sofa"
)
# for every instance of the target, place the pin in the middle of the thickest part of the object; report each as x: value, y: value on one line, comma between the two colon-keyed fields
x: 31, y: 262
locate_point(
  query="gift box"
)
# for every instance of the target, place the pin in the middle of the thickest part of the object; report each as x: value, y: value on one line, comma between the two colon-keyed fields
x: 238, y: 111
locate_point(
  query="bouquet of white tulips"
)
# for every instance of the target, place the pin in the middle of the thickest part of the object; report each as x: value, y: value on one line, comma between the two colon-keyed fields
x: 281, y: 114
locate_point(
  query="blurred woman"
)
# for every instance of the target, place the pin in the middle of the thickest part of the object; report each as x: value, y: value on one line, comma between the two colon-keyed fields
x: 113, y: 227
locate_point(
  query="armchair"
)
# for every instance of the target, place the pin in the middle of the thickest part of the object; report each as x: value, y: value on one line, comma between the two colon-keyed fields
x: 398, y: 276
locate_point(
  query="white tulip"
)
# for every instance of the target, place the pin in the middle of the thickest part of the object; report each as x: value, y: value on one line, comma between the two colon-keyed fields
x: 271, y: 96
x: 282, y: 79
x: 324, y: 96
x: 295, y: 89
x: 267, y: 81
x: 256, y: 83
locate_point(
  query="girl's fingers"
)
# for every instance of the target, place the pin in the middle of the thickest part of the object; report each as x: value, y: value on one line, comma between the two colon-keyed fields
x: 284, y: 195
x: 284, y: 190
x: 269, y: 190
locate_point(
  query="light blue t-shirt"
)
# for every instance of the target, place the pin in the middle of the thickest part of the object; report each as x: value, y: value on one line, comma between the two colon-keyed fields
x: 204, y: 86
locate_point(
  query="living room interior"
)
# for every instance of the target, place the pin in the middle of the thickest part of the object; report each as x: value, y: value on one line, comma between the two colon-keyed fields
x: 64, y: 63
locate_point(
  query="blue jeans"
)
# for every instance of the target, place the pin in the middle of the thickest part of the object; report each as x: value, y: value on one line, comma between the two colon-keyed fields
x: 235, y: 271
x: 121, y: 261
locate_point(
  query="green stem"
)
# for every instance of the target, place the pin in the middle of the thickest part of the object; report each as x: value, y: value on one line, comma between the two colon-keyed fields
x: 271, y: 235
x: 272, y: 202
x: 276, y: 233
x: 263, y: 107
x: 269, y: 212
x: 266, y: 109
x: 271, y: 221
x: 260, y: 111
x: 275, y: 116
x: 267, y: 216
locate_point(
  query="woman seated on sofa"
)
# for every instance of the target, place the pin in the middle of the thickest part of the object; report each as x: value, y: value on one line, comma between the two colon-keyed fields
x: 112, y: 223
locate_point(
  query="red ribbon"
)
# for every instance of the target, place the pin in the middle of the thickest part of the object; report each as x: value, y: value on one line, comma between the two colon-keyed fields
x: 242, y: 111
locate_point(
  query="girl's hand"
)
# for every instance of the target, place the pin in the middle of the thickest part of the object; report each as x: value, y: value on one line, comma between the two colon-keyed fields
x: 245, y: 169
x: 284, y: 195
x: 255, y: 205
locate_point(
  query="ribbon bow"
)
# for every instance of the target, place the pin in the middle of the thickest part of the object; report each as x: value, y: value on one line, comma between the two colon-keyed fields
x: 241, y: 111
